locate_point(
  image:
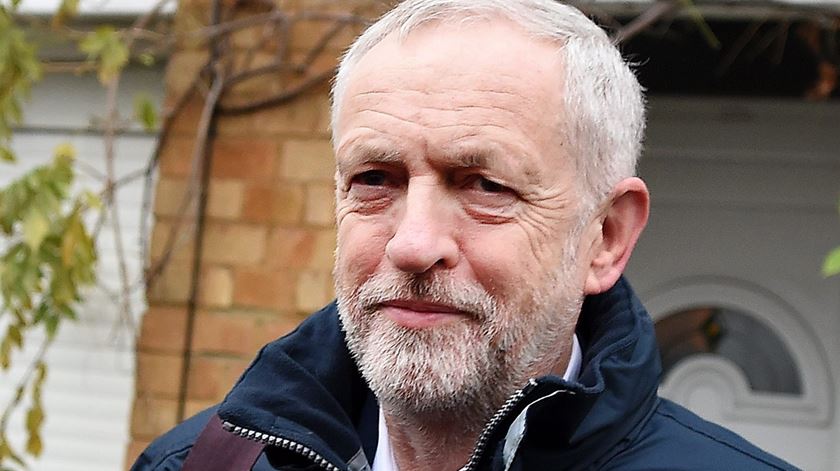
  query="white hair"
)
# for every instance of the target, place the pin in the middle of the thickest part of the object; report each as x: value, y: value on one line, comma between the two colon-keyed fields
x: 603, y: 102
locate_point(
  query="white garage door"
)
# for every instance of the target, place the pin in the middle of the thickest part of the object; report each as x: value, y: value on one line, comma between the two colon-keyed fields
x: 88, y: 394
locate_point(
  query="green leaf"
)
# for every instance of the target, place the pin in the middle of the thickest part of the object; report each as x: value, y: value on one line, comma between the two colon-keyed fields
x: 34, y: 419
x: 6, y: 154
x: 91, y: 200
x: 64, y: 152
x: 5, y: 353
x: 35, y: 228
x: 51, y: 325
x: 7, y: 452
x: 68, y: 9
x: 68, y: 245
x: 40, y: 374
x: 146, y: 58
x: 144, y: 111
x: 700, y: 21
x: 34, y: 445
x: 831, y: 265
x: 107, y: 48
x: 15, y: 336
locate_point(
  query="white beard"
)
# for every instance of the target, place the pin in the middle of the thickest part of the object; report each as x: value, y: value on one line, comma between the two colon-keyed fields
x: 467, y: 367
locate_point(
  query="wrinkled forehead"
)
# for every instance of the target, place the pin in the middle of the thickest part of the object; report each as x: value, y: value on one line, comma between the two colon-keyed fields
x: 454, y: 63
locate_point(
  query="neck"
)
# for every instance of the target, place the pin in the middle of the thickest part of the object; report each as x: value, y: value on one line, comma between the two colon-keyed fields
x: 444, y: 440
x: 420, y: 444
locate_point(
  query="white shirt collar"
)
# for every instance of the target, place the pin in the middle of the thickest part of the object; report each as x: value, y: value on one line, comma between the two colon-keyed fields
x: 384, y: 458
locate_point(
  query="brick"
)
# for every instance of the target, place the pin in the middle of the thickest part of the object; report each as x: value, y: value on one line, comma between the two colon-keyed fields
x: 182, y: 245
x: 176, y: 155
x: 152, y: 416
x: 182, y: 69
x: 323, y: 255
x: 250, y: 158
x: 238, y: 333
x: 322, y: 104
x: 159, y: 374
x: 225, y: 199
x: 306, y: 34
x: 272, y: 289
x: 276, y: 203
x: 258, y: 86
x: 308, y: 160
x: 163, y: 329
x: 172, y: 285
x: 211, y: 377
x: 298, y: 248
x: 185, y: 122
x: 193, y: 407
x: 235, y: 244
x: 247, y: 38
x: 169, y: 197
x: 320, y: 205
x: 299, y: 117
x: 370, y: 9
x: 192, y: 15
x: 290, y: 248
x: 216, y: 289
x: 313, y: 290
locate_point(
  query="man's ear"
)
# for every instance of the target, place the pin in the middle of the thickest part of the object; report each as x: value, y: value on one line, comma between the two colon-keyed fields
x: 622, y: 221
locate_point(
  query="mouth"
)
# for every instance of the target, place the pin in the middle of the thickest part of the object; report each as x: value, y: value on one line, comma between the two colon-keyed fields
x: 420, y: 314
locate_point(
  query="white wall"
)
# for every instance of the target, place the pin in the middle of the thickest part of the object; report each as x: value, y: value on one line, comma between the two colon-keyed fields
x: 90, y: 385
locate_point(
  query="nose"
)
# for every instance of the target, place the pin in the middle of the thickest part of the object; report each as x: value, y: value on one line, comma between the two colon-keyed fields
x: 423, y: 238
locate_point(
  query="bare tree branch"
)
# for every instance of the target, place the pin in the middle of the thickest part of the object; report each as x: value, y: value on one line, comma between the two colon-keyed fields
x: 645, y: 20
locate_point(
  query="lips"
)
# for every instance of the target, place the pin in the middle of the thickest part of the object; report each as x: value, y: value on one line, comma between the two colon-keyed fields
x: 420, y: 314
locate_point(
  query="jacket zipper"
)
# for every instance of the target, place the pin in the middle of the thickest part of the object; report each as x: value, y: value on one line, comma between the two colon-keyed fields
x: 319, y: 460
x: 281, y: 442
x: 481, y: 444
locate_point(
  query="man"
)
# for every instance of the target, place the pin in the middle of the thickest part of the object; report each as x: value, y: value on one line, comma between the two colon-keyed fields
x: 486, y: 208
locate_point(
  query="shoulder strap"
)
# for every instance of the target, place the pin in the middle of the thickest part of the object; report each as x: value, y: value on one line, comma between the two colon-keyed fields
x: 216, y: 449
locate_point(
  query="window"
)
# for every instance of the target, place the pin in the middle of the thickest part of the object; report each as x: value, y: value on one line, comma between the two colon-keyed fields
x: 736, y: 336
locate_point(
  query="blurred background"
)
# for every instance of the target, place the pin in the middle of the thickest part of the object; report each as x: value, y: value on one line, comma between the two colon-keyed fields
x: 196, y: 134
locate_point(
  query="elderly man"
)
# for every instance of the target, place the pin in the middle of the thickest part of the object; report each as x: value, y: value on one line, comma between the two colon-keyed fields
x: 486, y: 208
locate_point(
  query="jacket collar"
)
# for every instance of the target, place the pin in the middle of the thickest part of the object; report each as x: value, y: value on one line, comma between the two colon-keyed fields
x: 581, y: 424
x: 322, y: 401
x: 305, y: 387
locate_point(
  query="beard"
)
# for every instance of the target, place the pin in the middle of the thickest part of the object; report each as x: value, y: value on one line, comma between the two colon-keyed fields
x: 466, y: 367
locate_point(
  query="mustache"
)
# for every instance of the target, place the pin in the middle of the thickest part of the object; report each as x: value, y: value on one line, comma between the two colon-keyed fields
x: 463, y: 295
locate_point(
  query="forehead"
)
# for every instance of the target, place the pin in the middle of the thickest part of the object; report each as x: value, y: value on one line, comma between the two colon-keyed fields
x: 479, y: 72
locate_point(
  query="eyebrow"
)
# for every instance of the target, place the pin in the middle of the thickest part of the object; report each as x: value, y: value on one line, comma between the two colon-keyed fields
x: 367, y: 154
x: 464, y: 158
x: 469, y: 158
x: 490, y: 158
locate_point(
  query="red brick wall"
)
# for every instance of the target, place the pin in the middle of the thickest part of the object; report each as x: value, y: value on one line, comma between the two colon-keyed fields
x: 269, y: 237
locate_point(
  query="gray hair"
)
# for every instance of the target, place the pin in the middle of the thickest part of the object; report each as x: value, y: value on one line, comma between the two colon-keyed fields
x: 603, y: 101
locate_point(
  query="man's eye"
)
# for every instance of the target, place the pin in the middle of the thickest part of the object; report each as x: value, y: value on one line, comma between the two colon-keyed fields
x: 487, y: 186
x: 371, y: 178
x: 491, y: 186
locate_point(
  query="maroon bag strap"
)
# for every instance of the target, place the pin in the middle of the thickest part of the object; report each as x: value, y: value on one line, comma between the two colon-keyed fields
x: 216, y: 449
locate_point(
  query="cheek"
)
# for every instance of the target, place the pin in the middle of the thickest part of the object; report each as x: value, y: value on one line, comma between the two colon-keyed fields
x: 360, y: 248
x: 498, y: 257
x: 511, y: 262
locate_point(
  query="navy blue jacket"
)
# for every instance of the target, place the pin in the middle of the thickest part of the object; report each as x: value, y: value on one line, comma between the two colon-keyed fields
x: 305, y: 393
